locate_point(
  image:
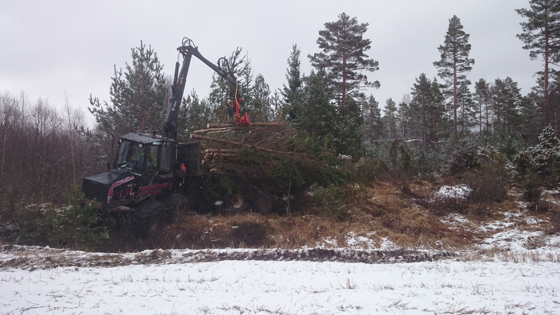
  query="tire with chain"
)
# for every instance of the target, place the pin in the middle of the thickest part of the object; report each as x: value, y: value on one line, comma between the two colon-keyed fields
x: 149, y: 220
x: 235, y: 202
x: 173, y: 204
x: 264, y: 202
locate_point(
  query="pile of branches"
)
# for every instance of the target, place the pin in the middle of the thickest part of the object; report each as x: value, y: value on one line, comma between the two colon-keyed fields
x: 274, y: 156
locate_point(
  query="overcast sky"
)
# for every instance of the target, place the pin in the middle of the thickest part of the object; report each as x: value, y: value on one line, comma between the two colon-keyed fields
x: 50, y: 49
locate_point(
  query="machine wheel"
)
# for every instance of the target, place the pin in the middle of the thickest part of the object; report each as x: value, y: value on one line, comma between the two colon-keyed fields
x: 173, y: 204
x: 264, y: 202
x: 150, y: 219
x: 236, y: 202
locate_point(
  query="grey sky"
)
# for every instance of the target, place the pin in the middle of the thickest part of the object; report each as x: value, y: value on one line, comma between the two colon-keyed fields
x: 52, y: 48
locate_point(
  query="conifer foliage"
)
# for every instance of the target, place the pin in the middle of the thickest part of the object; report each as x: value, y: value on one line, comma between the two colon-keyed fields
x: 293, y: 93
x: 454, y: 64
x: 541, y: 36
x: 138, y: 97
x: 344, y: 56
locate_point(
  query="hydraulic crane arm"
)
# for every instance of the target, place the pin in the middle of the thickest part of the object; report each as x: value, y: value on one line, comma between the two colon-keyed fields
x: 187, y: 50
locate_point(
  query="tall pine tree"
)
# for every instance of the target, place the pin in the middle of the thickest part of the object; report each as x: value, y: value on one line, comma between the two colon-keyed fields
x: 541, y: 36
x: 454, y: 63
x: 344, y: 56
x: 390, y: 118
x: 482, y: 99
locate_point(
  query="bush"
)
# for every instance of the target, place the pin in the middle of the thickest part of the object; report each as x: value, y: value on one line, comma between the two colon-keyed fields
x: 369, y: 169
x: 76, y: 226
x: 464, y: 157
x: 489, y: 181
x: 332, y: 201
x: 532, y: 188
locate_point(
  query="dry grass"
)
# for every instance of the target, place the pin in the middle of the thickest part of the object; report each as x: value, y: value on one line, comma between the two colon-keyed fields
x: 380, y: 215
x: 382, y: 212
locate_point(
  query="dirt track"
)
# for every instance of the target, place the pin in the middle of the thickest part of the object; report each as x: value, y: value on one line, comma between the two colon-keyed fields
x: 23, y: 257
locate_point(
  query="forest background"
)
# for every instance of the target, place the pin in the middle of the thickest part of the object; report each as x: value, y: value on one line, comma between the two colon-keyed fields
x: 447, y: 125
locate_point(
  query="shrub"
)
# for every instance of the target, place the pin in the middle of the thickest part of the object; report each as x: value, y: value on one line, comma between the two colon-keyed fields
x: 332, y: 200
x: 532, y: 188
x: 76, y: 226
x: 369, y: 169
x: 489, y: 182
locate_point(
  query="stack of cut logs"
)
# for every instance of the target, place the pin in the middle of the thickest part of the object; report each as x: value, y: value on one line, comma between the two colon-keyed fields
x: 221, y: 142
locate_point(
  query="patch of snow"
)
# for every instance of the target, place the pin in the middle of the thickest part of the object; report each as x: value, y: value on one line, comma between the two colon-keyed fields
x: 454, y: 218
x: 286, y: 287
x: 459, y: 192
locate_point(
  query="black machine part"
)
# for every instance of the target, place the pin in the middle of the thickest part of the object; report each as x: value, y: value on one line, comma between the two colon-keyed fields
x: 187, y: 50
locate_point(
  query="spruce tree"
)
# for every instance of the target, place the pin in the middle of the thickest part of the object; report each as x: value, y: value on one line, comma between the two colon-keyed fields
x: 454, y: 63
x: 261, y: 110
x: 138, y: 97
x: 541, y: 36
x: 292, y: 94
x: 421, y: 100
x: 373, y: 126
x: 319, y: 116
x: 195, y: 113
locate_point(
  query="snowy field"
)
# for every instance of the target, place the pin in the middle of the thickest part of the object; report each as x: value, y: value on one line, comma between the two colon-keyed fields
x: 527, y: 285
x: 515, y: 270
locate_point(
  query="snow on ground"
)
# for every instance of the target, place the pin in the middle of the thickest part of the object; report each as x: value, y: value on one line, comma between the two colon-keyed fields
x: 286, y: 287
x: 458, y: 192
x: 514, y: 270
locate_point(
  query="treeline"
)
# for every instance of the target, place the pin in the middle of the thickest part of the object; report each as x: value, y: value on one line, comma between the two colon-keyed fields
x: 41, y: 152
x: 436, y: 128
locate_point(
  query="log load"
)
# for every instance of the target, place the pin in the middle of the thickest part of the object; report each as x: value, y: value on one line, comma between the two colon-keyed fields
x: 266, y: 158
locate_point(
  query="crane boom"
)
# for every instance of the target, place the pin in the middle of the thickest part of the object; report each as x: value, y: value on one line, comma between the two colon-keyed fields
x: 187, y: 50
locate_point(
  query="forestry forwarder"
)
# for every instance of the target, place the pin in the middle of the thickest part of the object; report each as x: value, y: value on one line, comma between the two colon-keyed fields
x: 150, y: 171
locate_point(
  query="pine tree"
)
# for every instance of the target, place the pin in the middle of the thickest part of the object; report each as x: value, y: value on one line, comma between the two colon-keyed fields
x: 344, y: 57
x: 454, y: 63
x: 440, y: 124
x: 138, y: 97
x: 541, y: 36
x: 293, y: 93
x: 221, y: 92
x: 390, y: 117
x: 511, y: 105
x: 482, y: 99
x: 402, y: 119
x: 466, y: 104
x: 499, y: 94
x: 195, y: 113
